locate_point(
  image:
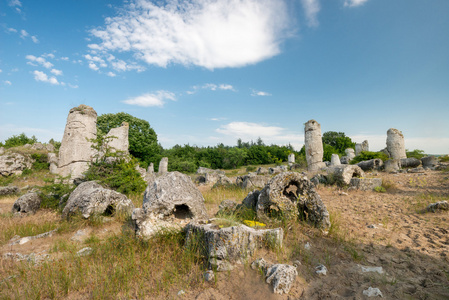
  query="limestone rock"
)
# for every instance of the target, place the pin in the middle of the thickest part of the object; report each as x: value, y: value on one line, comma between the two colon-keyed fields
x: 252, y: 181
x: 291, y: 159
x: 335, y: 160
x: 76, y: 152
x: 2, y: 150
x: 147, y: 224
x: 372, y: 292
x: 410, y: 162
x: 8, y: 190
x: 250, y: 200
x: 350, y: 153
x: 442, y: 205
x: 204, y: 171
x: 226, y: 246
x: 395, y: 144
x: 293, y: 195
x: 163, y: 166
x: 372, y: 164
x: 392, y: 165
x: 50, y: 147
x: 262, y: 171
x: 91, y: 198
x: 365, y: 184
x: 28, y: 203
x: 281, y: 277
x: 174, y: 194
x: 359, y: 148
x: 313, y: 145
x: 226, y: 207
x: 38, y: 146
x: 117, y: 139
x: 429, y: 162
x: 277, y: 170
x: 223, y: 181
x: 150, y: 169
x: 14, y: 164
x: 343, y: 174
x: 53, y: 161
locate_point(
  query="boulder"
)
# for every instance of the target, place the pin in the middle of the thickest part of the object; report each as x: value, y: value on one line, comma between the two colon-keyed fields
x: 252, y: 181
x: 50, y: 147
x: 291, y: 159
x: 76, y: 152
x: 223, y: 181
x: 174, y: 194
x: 292, y: 195
x: 429, y: 162
x: 250, y: 200
x: 410, y: 162
x: 392, y: 165
x: 442, y: 205
x: 343, y: 174
x: 350, y: 153
x: 313, y: 145
x: 395, y: 144
x: 147, y: 224
x: 365, y: 184
x: 335, y: 160
x: 28, y: 203
x: 91, y: 198
x: 372, y: 164
x: 53, y: 161
x: 38, y: 146
x: 359, y: 148
x: 226, y: 207
x: 229, y: 245
x: 14, y: 164
x: 281, y: 277
x: 277, y: 170
x: 163, y: 166
x: 8, y: 190
x: 262, y: 171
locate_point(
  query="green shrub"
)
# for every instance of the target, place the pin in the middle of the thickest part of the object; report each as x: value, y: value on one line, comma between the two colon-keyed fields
x: 55, y: 194
x: 19, y: 140
x: 7, y: 180
x: 380, y: 189
x: 444, y: 158
x: 41, y: 162
x: 367, y: 155
x: 415, y: 153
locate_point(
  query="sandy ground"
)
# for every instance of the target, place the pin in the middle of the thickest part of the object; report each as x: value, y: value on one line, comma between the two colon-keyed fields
x: 387, y: 230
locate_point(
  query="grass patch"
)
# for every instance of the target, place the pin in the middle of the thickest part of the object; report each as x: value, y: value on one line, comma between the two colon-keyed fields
x: 9, y: 228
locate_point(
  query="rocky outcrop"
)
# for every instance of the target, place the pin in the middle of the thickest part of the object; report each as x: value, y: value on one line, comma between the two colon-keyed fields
x: 28, y: 203
x: 252, y: 181
x: 292, y: 195
x: 277, y: 170
x: 343, y: 174
x: 395, y: 144
x: 14, y: 163
x: 117, y: 139
x: 335, y: 160
x: 91, y: 198
x: 359, y: 148
x: 313, y: 145
x: 76, y: 152
x: 174, y: 194
x: 226, y: 246
x: 410, y: 162
x: 8, y: 190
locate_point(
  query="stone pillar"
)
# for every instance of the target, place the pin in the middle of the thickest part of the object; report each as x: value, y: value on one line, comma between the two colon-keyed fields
x: 335, y: 160
x: 76, y: 152
x: 53, y: 161
x: 163, y: 166
x: 392, y: 165
x: 395, y: 144
x: 291, y: 159
x: 313, y: 146
x: 150, y: 169
x: 364, y: 146
x: 118, y: 139
x: 350, y: 153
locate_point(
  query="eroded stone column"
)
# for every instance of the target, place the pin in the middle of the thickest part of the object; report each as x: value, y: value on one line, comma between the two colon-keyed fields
x: 117, y: 139
x: 364, y: 146
x: 163, y: 166
x: 395, y: 144
x: 313, y: 146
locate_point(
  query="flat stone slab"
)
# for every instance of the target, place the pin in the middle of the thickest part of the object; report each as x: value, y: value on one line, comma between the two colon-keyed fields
x: 365, y: 184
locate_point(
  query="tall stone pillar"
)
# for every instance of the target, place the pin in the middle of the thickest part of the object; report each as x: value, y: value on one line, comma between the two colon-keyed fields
x: 163, y: 166
x: 118, y: 139
x: 395, y: 144
x: 313, y: 146
x: 76, y: 152
x: 364, y: 146
x: 291, y: 159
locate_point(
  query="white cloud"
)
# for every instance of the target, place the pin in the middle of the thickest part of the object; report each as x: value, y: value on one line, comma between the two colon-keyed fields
x: 259, y: 93
x: 40, y: 60
x: 34, y: 39
x: 41, y: 76
x: 1, y: 70
x: 56, y: 72
x: 7, y: 82
x: 11, y: 30
x: 217, y: 119
x: 73, y: 86
x: 13, y: 3
x: 147, y: 100
x: 212, y: 87
x: 65, y: 58
x: 353, y: 3
x: 311, y: 9
x: 210, y: 34
x: 111, y: 74
x: 23, y: 34
x: 93, y: 66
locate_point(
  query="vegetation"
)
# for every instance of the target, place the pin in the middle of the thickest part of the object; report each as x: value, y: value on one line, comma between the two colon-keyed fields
x: 338, y: 141
x: 415, y: 153
x: 367, y: 155
x: 19, y: 140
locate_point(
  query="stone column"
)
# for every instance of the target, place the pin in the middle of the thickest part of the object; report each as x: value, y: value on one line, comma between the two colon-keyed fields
x: 291, y: 159
x: 53, y: 161
x: 118, y: 139
x: 163, y: 166
x: 335, y: 160
x: 350, y: 153
x: 313, y: 146
x: 76, y: 152
x: 395, y: 144
x: 150, y: 169
x: 364, y: 146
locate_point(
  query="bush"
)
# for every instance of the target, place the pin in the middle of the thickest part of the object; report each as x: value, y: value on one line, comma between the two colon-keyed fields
x: 367, y: 155
x: 41, y: 161
x: 56, y: 194
x: 19, y: 140
x: 415, y: 153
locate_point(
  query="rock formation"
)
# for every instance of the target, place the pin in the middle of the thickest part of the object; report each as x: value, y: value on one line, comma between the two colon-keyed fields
x: 313, y: 145
x: 291, y: 159
x: 14, y: 164
x: 395, y: 144
x: 392, y: 165
x: 117, y: 139
x: 163, y: 166
x: 28, y: 203
x: 76, y: 151
x: 335, y: 160
x: 343, y: 174
x: 53, y: 161
x: 372, y: 164
x: 364, y: 146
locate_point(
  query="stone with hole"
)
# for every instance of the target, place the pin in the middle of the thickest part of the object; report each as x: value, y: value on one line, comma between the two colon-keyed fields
x: 28, y: 203
x: 343, y: 174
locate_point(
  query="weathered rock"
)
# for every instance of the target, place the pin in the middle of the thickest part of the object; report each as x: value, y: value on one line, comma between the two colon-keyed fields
x: 313, y: 145
x: 365, y: 184
x: 262, y: 171
x: 117, y: 139
x: 91, y: 198
x: 372, y: 292
x: 319, y: 178
x: 85, y: 251
x: 277, y: 170
x: 226, y: 207
x: 76, y: 152
x: 350, y: 153
x: 252, y: 181
x: 321, y: 270
x: 250, y: 200
x: 14, y: 164
x: 147, y: 224
x: 395, y: 144
x: 226, y: 246
x: 429, y: 162
x: 223, y: 181
x: 343, y: 174
x: 50, y: 147
x: 281, y: 277
x: 174, y: 194
x: 392, y: 165
x: 28, y: 203
x: 53, y: 161
x: 163, y: 166
x: 416, y: 170
x: 8, y: 190
x: 359, y: 148
x: 24, y: 240
x: 372, y: 164
x: 204, y: 171
x: 211, y: 178
x: 291, y: 159
x: 38, y: 146
x: 2, y: 150
x: 410, y: 162
x: 293, y: 195
x: 442, y: 205
x: 335, y: 160
x: 150, y: 169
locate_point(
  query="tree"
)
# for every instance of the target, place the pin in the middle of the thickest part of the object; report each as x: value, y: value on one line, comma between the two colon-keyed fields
x: 142, y: 138
x: 19, y: 140
x: 338, y: 140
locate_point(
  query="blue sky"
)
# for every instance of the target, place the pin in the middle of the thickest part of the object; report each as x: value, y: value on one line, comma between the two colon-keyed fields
x: 209, y: 71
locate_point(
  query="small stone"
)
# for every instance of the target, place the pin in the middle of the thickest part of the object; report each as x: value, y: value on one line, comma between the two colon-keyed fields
x: 372, y: 292
x: 181, y: 292
x: 321, y: 270
x: 307, y: 246
x: 209, y: 276
x: 372, y: 226
x: 372, y: 269
x: 85, y: 251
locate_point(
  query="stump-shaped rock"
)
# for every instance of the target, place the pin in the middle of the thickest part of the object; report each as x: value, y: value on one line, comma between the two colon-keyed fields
x: 429, y: 162
x: 28, y: 203
x: 313, y: 145
x: 292, y: 195
x: 395, y: 144
x: 91, y: 198
x: 163, y: 166
x: 335, y: 160
x: 174, y: 194
x: 226, y: 246
x: 392, y: 165
x: 343, y: 174
x: 410, y: 162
